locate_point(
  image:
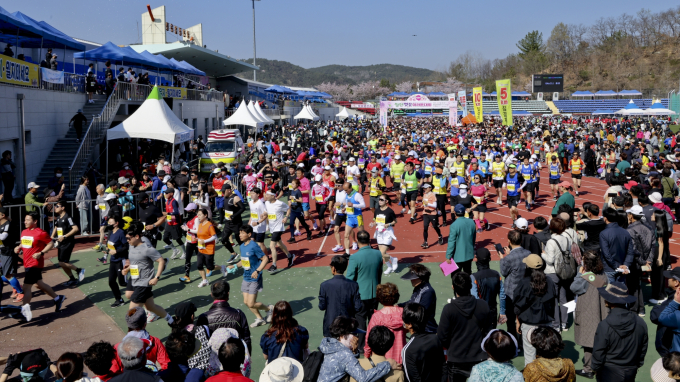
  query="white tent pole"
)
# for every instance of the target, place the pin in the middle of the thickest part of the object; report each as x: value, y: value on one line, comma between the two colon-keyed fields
x: 107, y: 163
x: 173, y: 157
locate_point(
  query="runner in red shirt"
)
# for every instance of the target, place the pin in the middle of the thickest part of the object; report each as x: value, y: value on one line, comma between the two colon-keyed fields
x: 35, y: 243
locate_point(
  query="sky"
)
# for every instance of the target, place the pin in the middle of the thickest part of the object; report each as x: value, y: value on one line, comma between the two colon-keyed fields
x: 312, y: 33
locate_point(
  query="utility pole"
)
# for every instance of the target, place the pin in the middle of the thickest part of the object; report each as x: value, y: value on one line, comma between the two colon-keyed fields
x: 254, y: 45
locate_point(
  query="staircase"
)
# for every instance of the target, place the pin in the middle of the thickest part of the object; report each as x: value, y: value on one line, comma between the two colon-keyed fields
x: 552, y: 107
x: 65, y: 149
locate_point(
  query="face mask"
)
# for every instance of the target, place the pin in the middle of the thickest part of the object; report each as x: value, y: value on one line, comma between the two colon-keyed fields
x: 58, y: 175
x: 109, y: 227
x: 463, y: 192
x: 127, y: 167
x: 143, y: 205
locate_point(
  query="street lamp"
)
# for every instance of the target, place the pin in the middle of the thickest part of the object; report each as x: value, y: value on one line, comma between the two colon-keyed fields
x: 254, y: 46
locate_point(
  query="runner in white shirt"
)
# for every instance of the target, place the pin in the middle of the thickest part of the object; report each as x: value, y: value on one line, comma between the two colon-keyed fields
x: 258, y: 218
x: 277, y: 213
x: 353, y: 174
x: 340, y: 215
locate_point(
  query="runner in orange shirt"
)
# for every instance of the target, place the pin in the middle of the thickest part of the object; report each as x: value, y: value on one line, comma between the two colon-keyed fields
x: 576, y: 166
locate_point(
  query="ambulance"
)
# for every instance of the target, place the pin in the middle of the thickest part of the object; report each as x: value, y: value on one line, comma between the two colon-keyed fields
x: 225, y: 146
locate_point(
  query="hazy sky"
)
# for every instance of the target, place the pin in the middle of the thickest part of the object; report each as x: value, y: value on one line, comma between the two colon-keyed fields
x: 313, y: 33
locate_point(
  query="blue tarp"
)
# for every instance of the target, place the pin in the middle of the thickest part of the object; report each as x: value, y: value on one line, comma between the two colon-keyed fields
x: 606, y: 93
x: 521, y: 94
x: 279, y: 89
x: 31, y: 33
x: 196, y: 71
x: 414, y: 93
x: 603, y: 111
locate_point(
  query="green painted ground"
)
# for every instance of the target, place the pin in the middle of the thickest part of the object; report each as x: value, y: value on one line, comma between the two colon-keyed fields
x: 299, y: 286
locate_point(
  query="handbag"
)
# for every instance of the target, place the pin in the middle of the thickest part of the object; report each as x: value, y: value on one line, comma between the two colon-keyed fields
x: 283, y: 348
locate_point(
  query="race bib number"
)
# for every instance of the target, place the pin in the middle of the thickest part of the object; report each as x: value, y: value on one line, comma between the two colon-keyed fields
x: 228, y: 214
x: 409, y: 183
x: 380, y: 220
x: 478, y: 199
x: 338, y: 210
x: 437, y: 190
x: 349, y: 210
x: 190, y: 239
x: 465, y: 157
x: 201, y: 245
x: 169, y: 217
x: 102, y: 206
x: 361, y: 166
x: 374, y: 191
x: 511, y: 187
x: 27, y: 242
x: 271, y: 217
x: 194, y: 199
x: 134, y: 272
x: 350, y: 178
x: 403, y: 186
x: 219, y: 193
x: 290, y: 186
x: 60, y: 232
x: 245, y: 261
x: 254, y: 217
x: 318, y: 198
x: 553, y: 172
x: 428, y: 168
x: 454, y: 181
x: 110, y: 246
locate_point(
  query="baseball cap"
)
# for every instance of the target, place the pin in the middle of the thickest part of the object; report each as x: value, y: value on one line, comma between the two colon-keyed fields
x: 33, y: 185
x: 216, y: 170
x: 459, y: 209
x: 185, y: 309
x: 397, y: 157
x: 635, y: 210
x: 169, y: 191
x: 483, y: 254
x: 110, y: 196
x: 533, y: 261
x: 427, y: 185
x: 248, y: 167
x: 630, y: 184
x: 317, y: 178
x: 327, y: 168
x: 34, y: 362
x: 301, y: 165
x: 672, y: 274
x: 512, y: 165
x: 565, y: 184
x: 521, y: 223
x: 190, y: 207
x: 351, y: 159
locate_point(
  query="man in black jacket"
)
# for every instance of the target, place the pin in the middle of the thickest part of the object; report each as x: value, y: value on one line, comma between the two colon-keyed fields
x: 592, y: 225
x: 423, y: 294
x: 423, y: 355
x: 621, y: 339
x: 338, y: 296
x: 463, y: 324
x: 222, y: 315
x: 664, y: 335
x: 487, y: 285
x: 78, y: 120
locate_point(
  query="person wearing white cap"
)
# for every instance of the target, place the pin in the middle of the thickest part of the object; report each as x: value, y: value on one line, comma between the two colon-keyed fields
x: 514, y: 182
x: 258, y: 217
x: 353, y: 174
x: 320, y: 194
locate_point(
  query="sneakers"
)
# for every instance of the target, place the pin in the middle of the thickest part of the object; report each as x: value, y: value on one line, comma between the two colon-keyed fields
x: 233, y: 259
x: 81, y: 274
x: 203, y: 283
x: 184, y: 256
x: 355, y: 246
x: 488, y: 227
x: 167, y: 246
x: 564, y: 328
x: 19, y: 297
x: 338, y: 248
x: 258, y: 322
x: 409, y: 211
x: 273, y: 268
x: 309, y: 236
x: 185, y: 279
x: 26, y: 312
x: 59, y: 302
x: 656, y: 302
x: 14, y: 293
x: 99, y: 247
x: 102, y: 260
x: 441, y: 240
x: 227, y: 270
x: 554, y: 197
x: 389, y: 269
x: 576, y: 193
x: 314, y: 226
x: 479, y: 230
x: 425, y: 245
x: 297, y: 233
x: 210, y: 273
x: 585, y: 374
x: 270, y: 312
x: 70, y: 283
x: 118, y: 303
x: 151, y: 316
x: 403, y: 210
x: 291, y: 259
x: 175, y: 253
x: 394, y: 263
x: 291, y: 240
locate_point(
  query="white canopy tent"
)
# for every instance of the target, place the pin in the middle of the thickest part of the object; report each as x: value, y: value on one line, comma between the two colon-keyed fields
x: 242, y: 116
x: 631, y: 109
x: 262, y: 114
x: 343, y: 114
x: 153, y: 120
x: 305, y: 113
x: 311, y: 111
x: 251, y: 109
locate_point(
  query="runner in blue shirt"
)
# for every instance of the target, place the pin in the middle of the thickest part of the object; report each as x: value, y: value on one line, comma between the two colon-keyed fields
x: 514, y: 183
x: 528, y: 171
x: 555, y: 171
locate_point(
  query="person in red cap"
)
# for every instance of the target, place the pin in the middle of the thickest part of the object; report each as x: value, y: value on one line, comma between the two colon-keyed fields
x: 565, y: 198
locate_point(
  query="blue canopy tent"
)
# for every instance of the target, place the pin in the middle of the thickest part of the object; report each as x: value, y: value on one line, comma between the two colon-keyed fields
x: 630, y: 93
x: 393, y: 94
x: 107, y: 52
x: 521, y: 94
x: 187, y: 69
x: 168, y: 63
x: 484, y: 94
x: 603, y: 112
x: 582, y: 93
x: 414, y: 93
x: 493, y: 94
x: 145, y: 61
x: 605, y: 93
x: 188, y: 65
x: 325, y: 95
x: 279, y: 89
x: 49, y: 34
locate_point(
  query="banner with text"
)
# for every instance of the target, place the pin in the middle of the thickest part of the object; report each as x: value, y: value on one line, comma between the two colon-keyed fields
x: 477, y: 104
x: 504, y: 91
x: 13, y: 71
x: 453, y: 110
x: 52, y: 76
x: 462, y: 99
x: 172, y: 92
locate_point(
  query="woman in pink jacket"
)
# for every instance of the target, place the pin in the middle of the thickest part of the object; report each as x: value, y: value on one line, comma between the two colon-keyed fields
x: 389, y: 316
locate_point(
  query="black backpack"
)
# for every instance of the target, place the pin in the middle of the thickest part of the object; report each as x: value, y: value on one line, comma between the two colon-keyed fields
x: 311, y: 366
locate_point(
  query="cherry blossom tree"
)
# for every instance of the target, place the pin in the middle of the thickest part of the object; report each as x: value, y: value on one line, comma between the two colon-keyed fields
x: 405, y: 87
x: 339, y: 92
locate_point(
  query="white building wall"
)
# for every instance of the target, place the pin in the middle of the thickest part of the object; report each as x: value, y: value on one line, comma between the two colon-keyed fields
x: 46, y: 114
x: 188, y: 111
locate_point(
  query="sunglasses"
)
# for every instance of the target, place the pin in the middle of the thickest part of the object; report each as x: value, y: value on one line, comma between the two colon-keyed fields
x: 382, y: 200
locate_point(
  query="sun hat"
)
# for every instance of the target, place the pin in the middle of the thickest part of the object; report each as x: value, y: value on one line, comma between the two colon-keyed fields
x: 616, y: 293
x: 655, y: 197
x: 282, y: 369
x: 533, y: 261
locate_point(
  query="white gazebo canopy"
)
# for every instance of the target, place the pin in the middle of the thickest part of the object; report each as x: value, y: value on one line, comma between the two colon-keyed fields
x: 251, y: 109
x: 343, y: 113
x: 153, y: 120
x: 242, y: 116
x: 305, y: 113
x: 262, y: 114
x: 311, y: 111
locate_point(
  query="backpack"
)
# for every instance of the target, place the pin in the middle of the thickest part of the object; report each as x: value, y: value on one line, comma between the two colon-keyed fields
x: 565, y: 265
x: 312, y: 365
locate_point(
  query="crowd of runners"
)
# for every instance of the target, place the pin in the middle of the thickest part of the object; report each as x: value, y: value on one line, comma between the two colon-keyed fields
x: 325, y: 177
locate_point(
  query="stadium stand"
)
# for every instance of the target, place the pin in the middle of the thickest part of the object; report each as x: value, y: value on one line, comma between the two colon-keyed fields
x: 589, y: 106
x: 532, y: 106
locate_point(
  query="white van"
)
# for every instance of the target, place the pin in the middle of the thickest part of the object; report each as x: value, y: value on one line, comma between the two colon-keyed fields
x: 223, y: 145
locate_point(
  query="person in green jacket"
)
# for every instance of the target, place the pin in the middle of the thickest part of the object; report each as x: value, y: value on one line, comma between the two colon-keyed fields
x: 462, y: 237
x: 565, y: 198
x: 365, y: 267
x: 31, y: 199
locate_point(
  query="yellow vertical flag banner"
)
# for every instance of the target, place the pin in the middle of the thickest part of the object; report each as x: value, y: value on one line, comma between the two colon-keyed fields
x: 477, y: 104
x: 504, y: 96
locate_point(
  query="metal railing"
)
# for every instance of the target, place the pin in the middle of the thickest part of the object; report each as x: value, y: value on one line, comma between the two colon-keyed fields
x: 96, y: 131
x: 205, y: 95
x: 73, y: 83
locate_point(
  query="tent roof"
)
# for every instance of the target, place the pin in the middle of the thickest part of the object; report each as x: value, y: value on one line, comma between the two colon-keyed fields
x: 343, y: 113
x: 32, y: 33
x: 629, y: 92
x: 153, y: 120
x: 521, y: 93
x: 280, y: 89
x: 306, y: 114
x: 581, y: 93
x: 603, y: 111
x: 251, y: 109
x: 437, y: 94
x: 111, y: 52
x: 242, y: 116
x: 262, y: 114
x: 606, y: 93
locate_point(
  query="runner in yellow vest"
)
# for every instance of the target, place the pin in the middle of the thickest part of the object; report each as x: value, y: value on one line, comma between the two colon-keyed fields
x: 377, y: 187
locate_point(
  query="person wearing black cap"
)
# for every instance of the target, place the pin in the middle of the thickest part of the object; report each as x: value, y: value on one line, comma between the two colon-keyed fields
x: 423, y: 293
x: 152, y: 217
x: 233, y: 209
x: 487, y: 284
x: 34, y: 365
x: 621, y: 339
x: 664, y: 334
